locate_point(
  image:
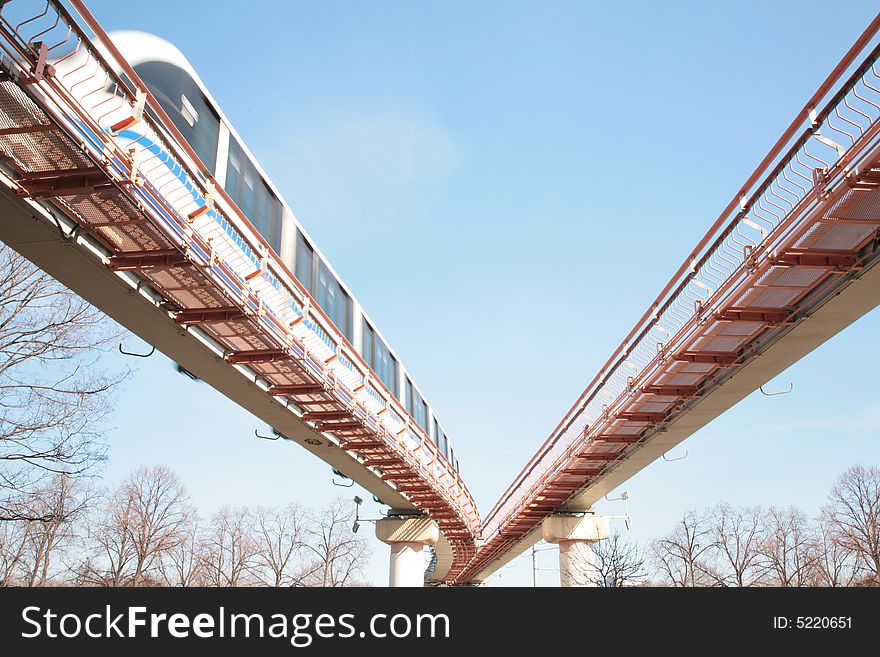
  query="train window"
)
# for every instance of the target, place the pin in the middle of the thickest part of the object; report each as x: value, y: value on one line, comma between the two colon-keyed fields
x: 368, y: 336
x: 379, y: 358
x: 416, y: 405
x: 385, y: 365
x: 408, y: 394
x: 453, y: 459
x: 186, y: 105
x: 305, y: 256
x: 250, y: 193
x: 442, y: 443
x: 333, y: 299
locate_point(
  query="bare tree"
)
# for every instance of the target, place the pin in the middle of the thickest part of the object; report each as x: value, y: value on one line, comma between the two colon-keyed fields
x: 142, y: 521
x: 30, y: 549
x: 789, y: 547
x: 338, y: 555
x: 853, y: 511
x: 617, y: 562
x: 184, y: 564
x: 111, y: 548
x: 14, y: 537
x: 834, y: 564
x: 53, y: 398
x: 64, y: 502
x: 161, y: 510
x: 228, y: 549
x: 280, y: 537
x: 681, y: 557
x: 737, y: 536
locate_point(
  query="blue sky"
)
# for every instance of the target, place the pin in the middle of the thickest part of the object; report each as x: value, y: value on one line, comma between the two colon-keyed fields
x: 506, y: 187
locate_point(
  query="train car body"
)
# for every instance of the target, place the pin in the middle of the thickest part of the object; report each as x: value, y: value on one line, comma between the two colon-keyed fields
x: 183, y: 96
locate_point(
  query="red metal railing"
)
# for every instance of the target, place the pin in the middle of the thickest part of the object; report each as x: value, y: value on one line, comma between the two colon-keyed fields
x: 84, y: 135
x: 798, y: 225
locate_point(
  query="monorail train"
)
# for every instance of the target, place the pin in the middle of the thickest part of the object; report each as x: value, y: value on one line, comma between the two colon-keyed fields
x: 183, y: 96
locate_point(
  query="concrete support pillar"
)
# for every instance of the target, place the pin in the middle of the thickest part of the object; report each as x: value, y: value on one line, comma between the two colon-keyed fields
x: 407, y: 538
x: 575, y: 535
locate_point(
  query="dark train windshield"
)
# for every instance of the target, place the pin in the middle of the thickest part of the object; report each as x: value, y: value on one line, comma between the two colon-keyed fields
x: 186, y: 105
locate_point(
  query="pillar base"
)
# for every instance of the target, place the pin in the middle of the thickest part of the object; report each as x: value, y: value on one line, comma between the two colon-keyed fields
x: 575, y: 536
x: 407, y: 538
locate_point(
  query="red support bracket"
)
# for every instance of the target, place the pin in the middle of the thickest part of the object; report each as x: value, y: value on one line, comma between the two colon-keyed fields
x: 822, y: 258
x: 598, y: 456
x: 641, y: 417
x: 69, y: 182
x: 147, y: 260
x: 763, y: 315
x: 136, y: 115
x: 390, y: 460
x: 543, y: 508
x: 340, y: 426
x: 26, y: 129
x: 256, y: 356
x: 617, y: 438
x: 547, y: 498
x: 589, y: 472
x: 558, y: 486
x: 203, y: 315
x: 408, y: 488
x: 670, y: 390
x: 867, y: 180
x: 298, y: 389
x: 714, y: 357
x: 198, y: 212
x: 310, y: 416
x: 354, y: 446
x: 119, y: 126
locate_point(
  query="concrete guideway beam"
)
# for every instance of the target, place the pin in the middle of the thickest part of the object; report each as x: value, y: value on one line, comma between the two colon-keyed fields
x: 407, y: 538
x: 575, y: 535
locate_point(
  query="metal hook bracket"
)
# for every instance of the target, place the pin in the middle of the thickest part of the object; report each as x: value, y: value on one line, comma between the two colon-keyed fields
x: 137, y: 355
x: 259, y: 435
x: 182, y: 370
x: 776, y: 394
x: 337, y: 473
x: 677, y: 458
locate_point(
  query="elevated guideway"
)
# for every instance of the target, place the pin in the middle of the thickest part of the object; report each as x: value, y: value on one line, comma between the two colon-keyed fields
x: 99, y: 189
x: 790, y: 263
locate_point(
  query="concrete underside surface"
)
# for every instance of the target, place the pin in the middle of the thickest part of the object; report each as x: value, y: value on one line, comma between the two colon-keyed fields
x: 25, y: 229
x: 856, y: 298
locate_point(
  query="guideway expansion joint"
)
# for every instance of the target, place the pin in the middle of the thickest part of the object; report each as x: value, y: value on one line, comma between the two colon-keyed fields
x: 407, y: 536
x: 575, y: 533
